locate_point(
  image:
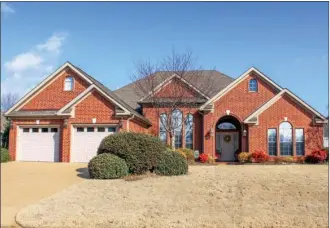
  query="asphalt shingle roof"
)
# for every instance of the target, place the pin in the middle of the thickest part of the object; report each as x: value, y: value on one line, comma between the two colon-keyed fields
x: 199, y: 80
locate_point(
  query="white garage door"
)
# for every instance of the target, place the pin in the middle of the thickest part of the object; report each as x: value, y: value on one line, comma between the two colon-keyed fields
x: 86, y: 141
x: 38, y: 144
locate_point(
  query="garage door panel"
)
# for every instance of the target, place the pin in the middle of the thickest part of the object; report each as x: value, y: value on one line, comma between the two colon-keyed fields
x: 86, y: 141
x: 38, y: 146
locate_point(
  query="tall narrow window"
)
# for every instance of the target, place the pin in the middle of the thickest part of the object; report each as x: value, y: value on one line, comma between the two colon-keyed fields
x: 162, y: 127
x: 286, y: 139
x: 272, y: 142
x: 177, y: 127
x: 68, y: 83
x: 253, y: 85
x: 189, y: 131
x: 300, y: 145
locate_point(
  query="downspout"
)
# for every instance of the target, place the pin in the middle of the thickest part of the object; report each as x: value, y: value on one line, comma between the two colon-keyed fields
x: 202, y: 146
x: 127, y: 123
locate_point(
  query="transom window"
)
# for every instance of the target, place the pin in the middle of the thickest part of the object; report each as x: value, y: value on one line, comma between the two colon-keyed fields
x: 300, y: 145
x: 272, y: 142
x: 100, y: 129
x: 80, y: 129
x: 90, y: 129
x: 68, y: 83
x: 253, y: 85
x: 44, y: 129
x: 226, y: 126
x: 35, y: 130
x: 286, y: 139
x: 26, y: 130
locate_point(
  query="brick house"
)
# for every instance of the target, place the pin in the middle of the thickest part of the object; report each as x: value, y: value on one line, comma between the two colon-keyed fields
x: 65, y: 117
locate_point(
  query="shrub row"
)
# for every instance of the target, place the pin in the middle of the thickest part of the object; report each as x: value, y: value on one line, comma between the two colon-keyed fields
x: 317, y: 156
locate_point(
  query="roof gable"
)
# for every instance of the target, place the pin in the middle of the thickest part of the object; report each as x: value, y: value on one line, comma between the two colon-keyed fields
x: 86, y: 93
x: 44, y: 84
x: 185, y: 86
x: 234, y: 83
x: 253, y: 118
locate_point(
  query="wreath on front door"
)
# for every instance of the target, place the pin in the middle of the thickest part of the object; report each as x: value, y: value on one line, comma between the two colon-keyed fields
x: 227, y: 138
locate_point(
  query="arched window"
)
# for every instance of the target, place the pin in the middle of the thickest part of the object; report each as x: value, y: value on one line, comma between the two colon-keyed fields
x: 286, y: 139
x: 177, y: 127
x: 226, y: 125
x: 68, y: 83
x: 189, y: 131
x: 162, y: 127
x: 253, y: 85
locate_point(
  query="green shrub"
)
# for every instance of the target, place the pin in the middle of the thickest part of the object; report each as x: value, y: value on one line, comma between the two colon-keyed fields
x: 4, y: 155
x: 107, y: 166
x: 188, y: 154
x: 140, y: 151
x: 244, y: 157
x: 171, y: 163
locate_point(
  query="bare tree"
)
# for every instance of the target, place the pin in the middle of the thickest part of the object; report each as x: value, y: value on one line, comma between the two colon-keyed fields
x: 172, y: 84
x: 8, y: 100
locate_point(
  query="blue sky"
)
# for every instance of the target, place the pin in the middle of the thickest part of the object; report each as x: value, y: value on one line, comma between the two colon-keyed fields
x: 288, y: 41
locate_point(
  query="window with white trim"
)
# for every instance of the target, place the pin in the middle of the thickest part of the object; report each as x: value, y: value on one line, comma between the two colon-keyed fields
x: 253, y: 85
x: 189, y: 131
x: 68, y: 83
x: 286, y: 139
x: 300, y: 145
x: 272, y: 139
x: 162, y: 127
x: 177, y: 127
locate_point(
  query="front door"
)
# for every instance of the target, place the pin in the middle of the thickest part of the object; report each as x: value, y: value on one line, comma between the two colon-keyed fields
x: 226, y: 145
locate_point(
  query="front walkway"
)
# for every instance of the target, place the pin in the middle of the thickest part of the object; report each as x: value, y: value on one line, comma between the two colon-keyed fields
x: 23, y: 183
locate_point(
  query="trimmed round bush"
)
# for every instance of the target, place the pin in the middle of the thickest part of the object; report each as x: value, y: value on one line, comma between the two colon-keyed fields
x: 4, y: 155
x: 171, y: 163
x: 107, y: 166
x: 140, y: 151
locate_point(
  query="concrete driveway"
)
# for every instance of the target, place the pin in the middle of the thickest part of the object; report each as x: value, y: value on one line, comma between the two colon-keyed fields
x: 24, y: 183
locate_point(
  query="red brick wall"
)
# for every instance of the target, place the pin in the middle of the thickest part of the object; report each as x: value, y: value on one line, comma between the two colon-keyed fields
x: 13, y: 132
x: 153, y: 115
x: 53, y: 96
x: 93, y: 106
x: 296, y: 116
x: 241, y: 104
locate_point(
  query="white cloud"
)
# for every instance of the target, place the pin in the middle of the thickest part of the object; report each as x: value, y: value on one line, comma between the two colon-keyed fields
x: 6, y: 9
x: 24, y: 61
x: 54, y: 43
x: 27, y: 69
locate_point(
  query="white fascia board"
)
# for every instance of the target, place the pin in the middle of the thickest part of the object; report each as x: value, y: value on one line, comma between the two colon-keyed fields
x: 276, y: 98
x: 236, y: 82
x: 42, y: 85
x: 86, y: 93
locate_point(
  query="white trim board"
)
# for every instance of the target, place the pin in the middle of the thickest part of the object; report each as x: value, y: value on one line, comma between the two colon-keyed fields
x: 85, y: 94
x: 36, y: 90
x: 168, y: 81
x: 276, y: 98
x: 236, y: 82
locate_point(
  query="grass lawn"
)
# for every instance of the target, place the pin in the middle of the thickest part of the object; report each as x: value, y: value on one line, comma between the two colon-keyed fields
x: 209, y: 196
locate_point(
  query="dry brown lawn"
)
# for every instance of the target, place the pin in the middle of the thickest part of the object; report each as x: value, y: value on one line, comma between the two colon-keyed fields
x: 210, y: 196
